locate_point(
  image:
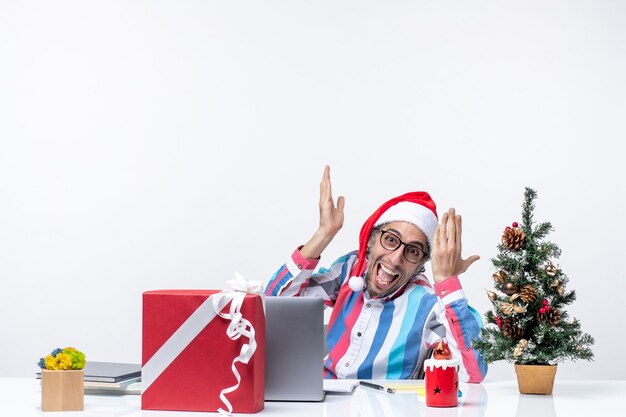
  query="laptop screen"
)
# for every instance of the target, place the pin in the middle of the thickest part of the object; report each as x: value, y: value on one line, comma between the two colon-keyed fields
x: 294, y: 349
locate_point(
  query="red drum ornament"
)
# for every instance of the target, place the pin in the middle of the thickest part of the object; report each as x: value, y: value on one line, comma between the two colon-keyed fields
x: 442, y: 382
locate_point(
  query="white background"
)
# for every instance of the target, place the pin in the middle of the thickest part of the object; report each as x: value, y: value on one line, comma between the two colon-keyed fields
x: 166, y: 144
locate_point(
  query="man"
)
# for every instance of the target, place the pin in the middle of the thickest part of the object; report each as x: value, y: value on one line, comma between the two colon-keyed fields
x: 386, y: 314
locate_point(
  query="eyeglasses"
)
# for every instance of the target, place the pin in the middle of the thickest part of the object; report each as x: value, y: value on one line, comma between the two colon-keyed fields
x: 391, y: 242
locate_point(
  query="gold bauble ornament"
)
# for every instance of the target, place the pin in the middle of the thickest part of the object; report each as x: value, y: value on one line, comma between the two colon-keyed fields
x: 492, y: 295
x: 509, y: 288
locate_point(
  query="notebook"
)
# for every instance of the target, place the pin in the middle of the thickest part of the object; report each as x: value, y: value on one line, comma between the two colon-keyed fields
x: 110, y: 371
x: 294, y: 349
x: 340, y: 386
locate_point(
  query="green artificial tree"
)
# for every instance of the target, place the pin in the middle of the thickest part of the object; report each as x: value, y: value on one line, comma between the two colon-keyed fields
x: 528, y: 324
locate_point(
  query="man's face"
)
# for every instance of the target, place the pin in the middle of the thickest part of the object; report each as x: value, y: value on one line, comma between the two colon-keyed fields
x: 389, y: 270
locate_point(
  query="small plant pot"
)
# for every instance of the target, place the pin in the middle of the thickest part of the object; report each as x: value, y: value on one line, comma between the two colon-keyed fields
x: 535, y: 379
x: 62, y: 390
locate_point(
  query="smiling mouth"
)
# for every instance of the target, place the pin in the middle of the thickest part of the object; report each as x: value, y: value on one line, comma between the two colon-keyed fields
x: 384, y: 276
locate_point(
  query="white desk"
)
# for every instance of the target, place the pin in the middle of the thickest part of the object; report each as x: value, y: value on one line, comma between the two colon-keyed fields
x: 22, y: 397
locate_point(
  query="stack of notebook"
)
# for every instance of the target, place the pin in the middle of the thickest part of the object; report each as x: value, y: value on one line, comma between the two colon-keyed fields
x: 111, y: 378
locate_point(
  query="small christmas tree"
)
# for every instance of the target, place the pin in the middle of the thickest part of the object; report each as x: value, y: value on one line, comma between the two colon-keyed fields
x: 528, y: 324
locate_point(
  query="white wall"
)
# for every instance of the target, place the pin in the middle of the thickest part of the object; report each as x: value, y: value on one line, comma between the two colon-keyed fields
x: 166, y: 144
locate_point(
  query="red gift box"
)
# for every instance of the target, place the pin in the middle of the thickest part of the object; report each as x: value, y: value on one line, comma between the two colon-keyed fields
x: 187, y: 356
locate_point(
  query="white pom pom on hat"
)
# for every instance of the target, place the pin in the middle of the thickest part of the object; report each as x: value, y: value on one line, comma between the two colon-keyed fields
x: 417, y: 208
x: 356, y: 284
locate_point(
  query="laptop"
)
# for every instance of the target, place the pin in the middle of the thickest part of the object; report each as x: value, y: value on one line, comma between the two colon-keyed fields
x: 294, y: 349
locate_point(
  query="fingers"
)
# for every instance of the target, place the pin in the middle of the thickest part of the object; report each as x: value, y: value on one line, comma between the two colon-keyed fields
x: 443, y: 230
x: 449, y: 231
x: 459, y: 228
x: 341, y: 203
x: 468, y: 262
x: 449, y: 243
x: 437, y: 240
x: 471, y: 260
x: 326, y: 192
x: 331, y: 216
x: 328, y: 183
x: 451, y: 227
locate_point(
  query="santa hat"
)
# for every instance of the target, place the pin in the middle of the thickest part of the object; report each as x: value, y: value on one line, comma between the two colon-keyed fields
x: 416, y: 208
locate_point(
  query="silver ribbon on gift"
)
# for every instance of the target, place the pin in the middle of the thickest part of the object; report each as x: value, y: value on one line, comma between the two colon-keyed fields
x: 238, y: 327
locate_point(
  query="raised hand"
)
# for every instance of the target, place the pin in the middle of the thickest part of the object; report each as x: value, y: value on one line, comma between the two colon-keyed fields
x: 331, y: 216
x: 446, y: 252
x: 331, y: 219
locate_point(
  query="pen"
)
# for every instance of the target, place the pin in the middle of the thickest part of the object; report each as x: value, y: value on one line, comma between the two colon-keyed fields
x: 376, y: 386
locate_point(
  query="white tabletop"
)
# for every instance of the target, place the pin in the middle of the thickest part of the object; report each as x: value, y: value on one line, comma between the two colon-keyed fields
x: 22, y: 397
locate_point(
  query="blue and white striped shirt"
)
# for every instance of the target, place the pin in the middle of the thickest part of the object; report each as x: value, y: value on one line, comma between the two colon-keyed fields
x: 384, y: 338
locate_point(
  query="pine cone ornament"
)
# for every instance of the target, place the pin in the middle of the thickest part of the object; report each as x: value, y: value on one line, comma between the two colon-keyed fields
x: 550, y: 316
x: 511, y: 330
x: 513, y: 238
x: 528, y: 294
